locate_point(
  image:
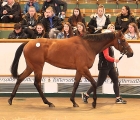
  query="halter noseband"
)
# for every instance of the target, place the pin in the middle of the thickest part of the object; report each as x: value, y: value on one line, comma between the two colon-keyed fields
x: 124, y: 48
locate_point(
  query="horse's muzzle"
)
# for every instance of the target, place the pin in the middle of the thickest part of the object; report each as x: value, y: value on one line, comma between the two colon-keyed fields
x: 129, y: 55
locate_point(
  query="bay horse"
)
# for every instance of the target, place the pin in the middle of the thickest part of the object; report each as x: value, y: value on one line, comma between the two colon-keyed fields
x: 77, y: 53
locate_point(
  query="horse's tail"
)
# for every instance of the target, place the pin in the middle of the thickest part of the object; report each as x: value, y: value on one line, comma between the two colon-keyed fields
x: 14, y: 65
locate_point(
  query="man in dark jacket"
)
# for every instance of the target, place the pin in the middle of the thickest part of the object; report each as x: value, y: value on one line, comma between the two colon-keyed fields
x: 17, y: 32
x: 52, y: 23
x: 59, y: 6
x: 11, y: 12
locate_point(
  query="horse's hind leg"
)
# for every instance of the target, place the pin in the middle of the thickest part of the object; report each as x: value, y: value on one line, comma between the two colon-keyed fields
x: 75, y: 86
x: 37, y: 83
x: 88, y: 76
x: 21, y: 77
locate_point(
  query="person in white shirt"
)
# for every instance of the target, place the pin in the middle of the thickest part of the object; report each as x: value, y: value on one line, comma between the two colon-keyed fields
x: 99, y: 21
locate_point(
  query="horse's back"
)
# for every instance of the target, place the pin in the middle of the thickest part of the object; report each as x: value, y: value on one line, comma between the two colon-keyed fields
x: 62, y: 53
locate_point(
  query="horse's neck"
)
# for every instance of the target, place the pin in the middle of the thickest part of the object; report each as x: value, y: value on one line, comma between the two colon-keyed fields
x: 98, y: 47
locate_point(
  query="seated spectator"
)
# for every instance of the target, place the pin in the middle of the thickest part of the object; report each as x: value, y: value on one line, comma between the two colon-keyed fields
x: 59, y: 6
x: 110, y: 28
x: 31, y: 3
x: 81, y: 29
x: 40, y: 32
x: 67, y: 31
x: 17, y: 33
x: 11, y: 12
x: 99, y: 21
x: 29, y: 22
x: 124, y: 18
x: 52, y: 23
x: 75, y: 18
x: 132, y: 33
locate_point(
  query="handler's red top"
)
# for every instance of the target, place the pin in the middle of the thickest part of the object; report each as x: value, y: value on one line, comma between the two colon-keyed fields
x: 106, y: 55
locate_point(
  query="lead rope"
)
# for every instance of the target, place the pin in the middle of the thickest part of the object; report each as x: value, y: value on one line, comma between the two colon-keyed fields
x: 117, y: 68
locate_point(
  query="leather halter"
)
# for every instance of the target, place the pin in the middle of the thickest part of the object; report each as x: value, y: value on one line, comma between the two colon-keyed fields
x: 120, y: 42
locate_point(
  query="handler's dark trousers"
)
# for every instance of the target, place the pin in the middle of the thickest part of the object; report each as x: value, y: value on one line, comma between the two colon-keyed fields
x: 102, y: 77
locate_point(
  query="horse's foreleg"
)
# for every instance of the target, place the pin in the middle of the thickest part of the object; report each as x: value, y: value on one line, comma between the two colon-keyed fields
x: 21, y: 77
x: 75, y: 86
x: 37, y: 84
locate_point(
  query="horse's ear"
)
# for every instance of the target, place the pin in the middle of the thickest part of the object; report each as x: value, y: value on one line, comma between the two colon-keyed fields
x: 119, y: 33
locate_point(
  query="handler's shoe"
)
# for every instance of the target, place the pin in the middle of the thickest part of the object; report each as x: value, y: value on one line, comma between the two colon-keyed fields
x: 121, y: 101
x: 84, y: 98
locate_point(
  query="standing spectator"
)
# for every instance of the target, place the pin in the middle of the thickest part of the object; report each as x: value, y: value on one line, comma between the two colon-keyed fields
x: 52, y: 23
x: 75, y: 18
x: 67, y: 31
x: 29, y: 22
x: 17, y: 33
x: 81, y: 29
x: 132, y: 33
x: 59, y: 6
x: 99, y: 21
x: 40, y: 32
x: 124, y: 18
x: 30, y: 3
x: 11, y: 12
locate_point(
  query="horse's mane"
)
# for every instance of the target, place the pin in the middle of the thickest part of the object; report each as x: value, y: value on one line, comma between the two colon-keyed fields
x: 99, y: 36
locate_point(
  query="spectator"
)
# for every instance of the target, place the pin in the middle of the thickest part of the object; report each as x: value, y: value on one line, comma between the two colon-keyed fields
x: 124, y: 18
x: 75, y: 18
x: 58, y: 6
x: 99, y: 21
x: 11, y: 12
x: 52, y: 23
x: 17, y: 33
x: 67, y: 31
x: 81, y: 29
x: 110, y: 28
x: 30, y: 3
x: 29, y: 22
x: 132, y: 33
x: 40, y: 32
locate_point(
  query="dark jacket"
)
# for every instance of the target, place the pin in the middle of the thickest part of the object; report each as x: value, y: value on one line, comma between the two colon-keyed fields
x: 37, y: 35
x: 103, y: 63
x: 122, y: 22
x: 93, y: 24
x: 138, y: 22
x: 15, y: 10
x: 0, y: 10
x: 56, y: 23
x: 14, y: 35
x: 57, y: 5
x: 27, y: 21
x: 71, y: 21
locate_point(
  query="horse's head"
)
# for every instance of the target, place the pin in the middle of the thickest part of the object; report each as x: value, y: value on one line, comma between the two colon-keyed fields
x: 122, y: 45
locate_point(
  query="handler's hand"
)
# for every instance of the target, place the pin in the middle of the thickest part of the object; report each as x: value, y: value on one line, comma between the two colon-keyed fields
x: 116, y: 60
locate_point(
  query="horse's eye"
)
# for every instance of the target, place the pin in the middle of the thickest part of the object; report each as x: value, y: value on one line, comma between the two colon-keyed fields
x: 123, y: 40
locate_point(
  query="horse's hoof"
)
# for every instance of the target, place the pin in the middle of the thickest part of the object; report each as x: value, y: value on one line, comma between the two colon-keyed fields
x: 10, y: 102
x: 51, y: 105
x: 75, y: 105
x: 94, y: 105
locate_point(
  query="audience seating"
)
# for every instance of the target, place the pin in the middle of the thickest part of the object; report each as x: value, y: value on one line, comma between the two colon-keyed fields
x: 6, y: 26
x: 87, y: 7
